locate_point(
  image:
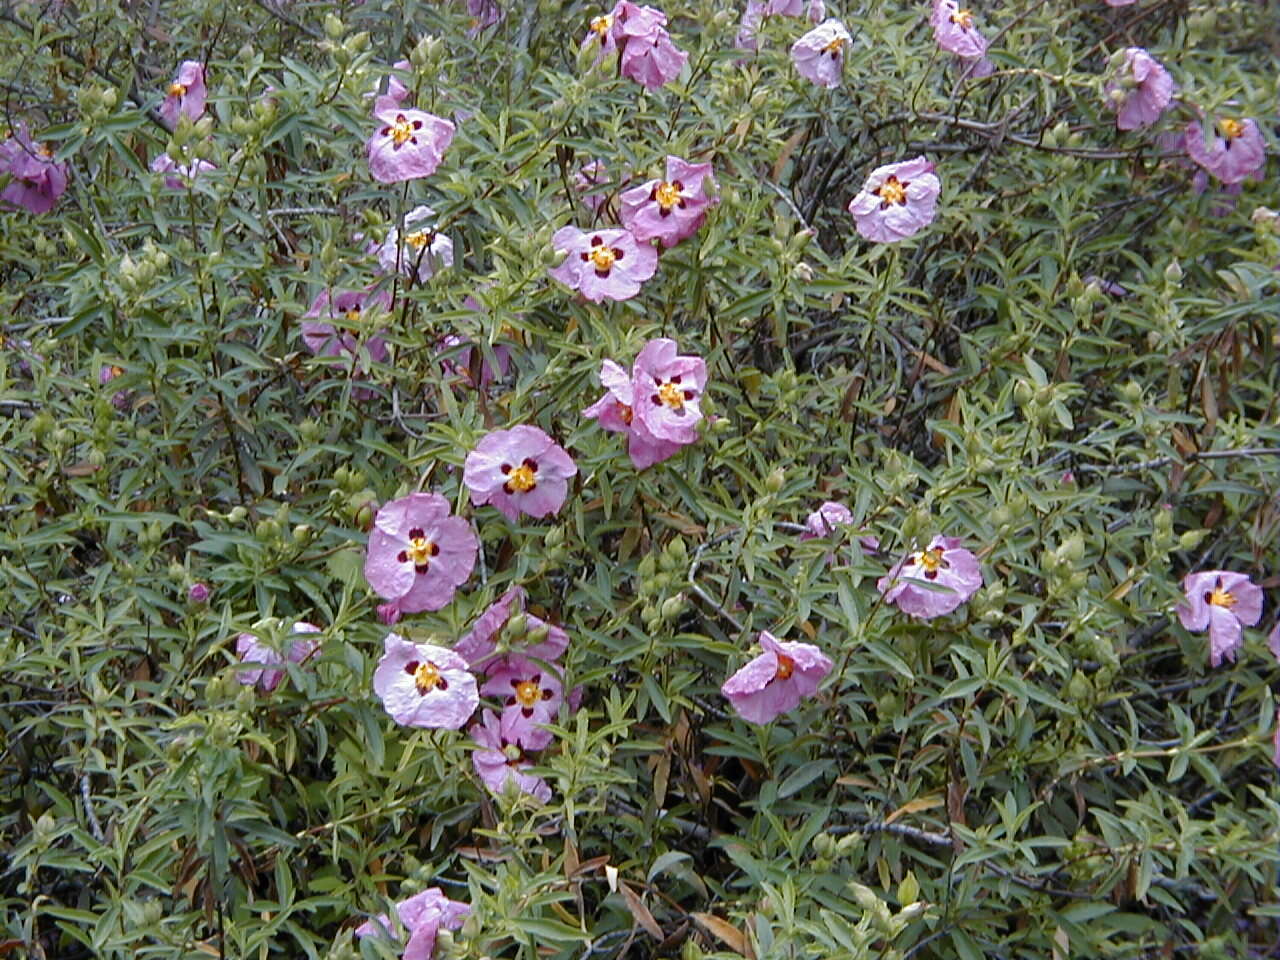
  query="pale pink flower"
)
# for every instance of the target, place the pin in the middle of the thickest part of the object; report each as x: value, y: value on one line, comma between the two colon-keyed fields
x: 484, y: 14
x: 1273, y: 641
x: 667, y: 391
x: 198, y: 592
x: 1224, y: 603
x: 422, y: 685
x: 954, y: 31
x: 777, y: 680
x: 500, y: 759
x: 819, y: 54
x: 615, y: 411
x: 186, y: 95
x: 332, y: 338
x: 177, y: 176
x: 934, y: 581
x: 1144, y: 87
x: 826, y: 519
x: 519, y: 470
x: 603, y: 263
x: 672, y: 208
x: 648, y: 55
x: 265, y: 659
x: 897, y: 201
x: 1233, y: 157
x: 422, y: 916
x: 1275, y: 742
x: 407, y: 144
x: 397, y: 92
x: 422, y: 251
x: 458, y: 354
x: 419, y: 553
x: 36, y: 182
x: 530, y: 694
x: 586, y: 181
x: 1120, y: 3
x: 539, y: 640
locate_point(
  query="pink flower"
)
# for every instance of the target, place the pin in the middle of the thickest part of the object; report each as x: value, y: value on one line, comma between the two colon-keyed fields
x: 588, y: 177
x: 422, y: 252
x: 603, y: 263
x: 530, y: 694
x: 500, y: 759
x: 36, y: 181
x: 1141, y: 91
x: 419, y: 554
x: 178, y: 177
x: 267, y: 675
x: 422, y: 917
x: 819, y: 54
x: 1120, y: 3
x: 897, y: 201
x: 1225, y: 603
x: 407, y: 144
x: 1233, y: 157
x: 186, y: 95
x: 954, y: 31
x: 422, y: 685
x: 198, y: 592
x: 648, y: 55
x: 823, y: 521
x: 671, y: 209
x: 458, y: 361
x: 536, y: 638
x: 396, y: 93
x: 331, y: 340
x: 667, y: 390
x: 1273, y: 641
x: 484, y: 13
x: 774, y: 682
x: 519, y: 470
x: 615, y: 411
x: 817, y: 11
x: 934, y: 581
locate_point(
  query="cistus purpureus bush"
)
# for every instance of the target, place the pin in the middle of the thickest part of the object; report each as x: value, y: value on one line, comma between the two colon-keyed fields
x: 185, y: 96
x: 262, y: 659
x: 499, y: 760
x: 506, y: 627
x: 1230, y: 148
x: 669, y: 209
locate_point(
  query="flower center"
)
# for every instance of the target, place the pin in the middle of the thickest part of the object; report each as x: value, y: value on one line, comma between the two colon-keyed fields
x: 893, y: 191
x: 834, y: 47
x: 625, y: 412
x: 600, y: 26
x: 419, y: 238
x: 44, y: 152
x: 177, y: 90
x: 963, y: 19
x: 426, y: 677
x: 528, y: 692
x: 520, y: 479
x: 420, y: 551
x: 671, y: 395
x: 115, y: 371
x: 931, y: 560
x: 786, y: 667
x: 603, y: 257
x: 401, y: 130
x: 1220, y: 598
x: 353, y: 315
x: 1231, y: 128
x: 668, y: 194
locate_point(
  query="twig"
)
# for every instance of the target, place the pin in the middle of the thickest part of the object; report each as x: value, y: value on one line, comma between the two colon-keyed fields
x: 85, y: 795
x: 1192, y: 457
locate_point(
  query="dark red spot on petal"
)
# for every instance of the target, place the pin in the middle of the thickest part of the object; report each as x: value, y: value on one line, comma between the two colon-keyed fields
x: 411, y: 667
x: 505, y: 468
x: 402, y: 557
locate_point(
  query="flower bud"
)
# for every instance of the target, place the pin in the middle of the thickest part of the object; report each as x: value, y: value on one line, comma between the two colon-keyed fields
x: 332, y: 27
x: 775, y: 480
x: 1173, y: 273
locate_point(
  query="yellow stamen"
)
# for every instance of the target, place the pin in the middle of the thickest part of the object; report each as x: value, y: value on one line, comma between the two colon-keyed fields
x: 601, y: 25
x: 667, y: 195
x: 625, y: 413
x: 1231, y: 128
x: 521, y: 479
x: 931, y: 560
x: 528, y: 693
x: 963, y: 19
x: 603, y: 257
x: 420, y: 551
x: 401, y: 130
x: 353, y: 315
x: 834, y: 46
x: 419, y: 238
x: 786, y: 666
x: 893, y: 192
x: 427, y: 677
x: 1221, y: 598
x: 671, y: 395
x: 177, y: 90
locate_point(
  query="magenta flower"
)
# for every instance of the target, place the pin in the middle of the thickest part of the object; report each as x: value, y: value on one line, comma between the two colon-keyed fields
x: 667, y: 390
x: 422, y: 685
x: 537, y: 638
x: 36, y: 182
x: 422, y: 252
x: 499, y: 759
x: 897, y: 201
x: 396, y: 93
x: 422, y: 917
x: 419, y: 554
x: 519, y: 470
x: 332, y: 340
x: 484, y: 14
x: 177, y: 177
x: 530, y: 694
x: 648, y: 55
x: 1141, y: 91
x: 186, y: 95
x: 198, y: 592
x: 603, y: 263
x: 1224, y: 603
x: 774, y: 682
x: 670, y: 209
x: 819, y: 54
x: 954, y: 31
x: 615, y: 411
x: 1233, y: 157
x: 824, y: 521
x: 407, y: 144
x: 266, y: 674
x: 934, y: 581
